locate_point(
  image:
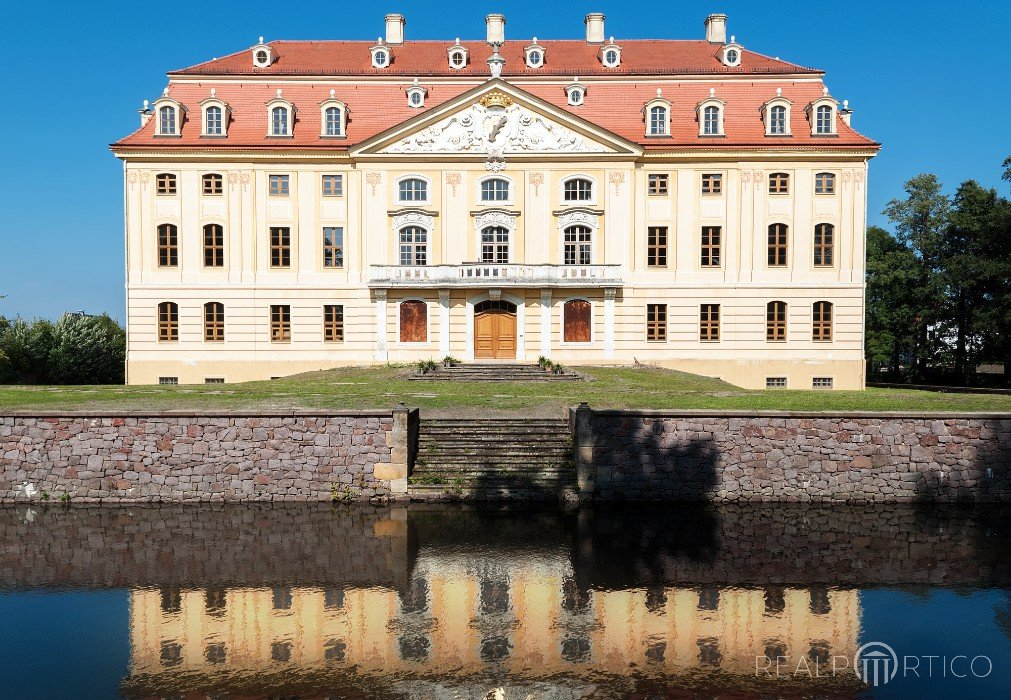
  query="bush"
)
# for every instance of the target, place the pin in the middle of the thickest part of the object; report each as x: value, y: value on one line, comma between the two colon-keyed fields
x: 76, y: 350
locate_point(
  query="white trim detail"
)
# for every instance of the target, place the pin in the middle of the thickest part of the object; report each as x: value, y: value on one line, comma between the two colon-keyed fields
x: 609, y: 295
x: 382, y: 352
x: 546, y: 323
x: 444, y: 301
x: 413, y: 218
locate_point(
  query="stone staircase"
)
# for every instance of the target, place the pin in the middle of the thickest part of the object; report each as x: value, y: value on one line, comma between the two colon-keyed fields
x: 495, y: 372
x: 493, y: 458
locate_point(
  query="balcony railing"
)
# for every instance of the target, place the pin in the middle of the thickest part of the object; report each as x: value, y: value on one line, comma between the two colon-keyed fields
x: 494, y: 275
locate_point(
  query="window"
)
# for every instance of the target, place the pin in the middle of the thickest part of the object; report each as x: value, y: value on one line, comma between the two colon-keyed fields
x: 731, y: 57
x: 709, y: 322
x: 333, y: 185
x: 213, y: 123
x: 167, y: 120
x: 279, y: 121
x: 380, y: 59
x: 215, y: 653
x: 280, y: 326
x: 577, y: 246
x: 576, y: 320
x: 777, y: 120
x: 168, y: 381
x: 214, y: 322
x: 495, y: 190
x: 656, y: 322
x: 775, y: 382
x: 534, y: 59
x: 413, y: 246
x: 280, y: 246
x: 657, y: 184
x: 416, y: 97
x: 656, y: 246
x: 576, y: 94
x: 712, y: 240
x: 278, y: 185
x: 712, y: 183
x: 711, y: 121
x: 822, y: 321
x: 779, y: 183
x: 775, y: 321
x: 333, y: 246
x: 577, y: 189
x: 168, y: 321
x: 824, y: 245
x: 611, y: 58
x: 214, y: 380
x: 280, y: 652
x: 168, y: 245
x: 332, y: 122
x: 778, y: 234
x: 457, y: 59
x: 214, y: 245
x: 333, y: 323
x: 165, y: 183
x: 413, y: 322
x: 658, y: 121
x: 212, y: 183
x: 495, y: 244
x: 821, y: 383
x: 413, y: 190
x: 824, y: 183
x: 823, y: 120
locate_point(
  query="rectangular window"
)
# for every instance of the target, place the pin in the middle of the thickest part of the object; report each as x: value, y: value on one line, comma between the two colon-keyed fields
x: 777, y: 245
x: 775, y: 382
x: 168, y: 321
x: 821, y: 329
x: 333, y: 185
x: 168, y: 381
x: 280, y: 246
x: 278, y: 185
x: 712, y: 183
x: 333, y: 323
x: 775, y: 321
x: 280, y: 323
x: 824, y: 245
x: 495, y: 244
x: 577, y: 248
x: 657, y: 185
x: 712, y: 244
x: 214, y: 245
x: 212, y: 184
x: 656, y: 322
x: 656, y: 246
x: 168, y: 245
x: 214, y: 322
x: 821, y: 383
x: 709, y: 322
x: 824, y: 183
x: 779, y: 183
x: 333, y: 246
x: 214, y: 380
x: 413, y: 246
x: 165, y: 183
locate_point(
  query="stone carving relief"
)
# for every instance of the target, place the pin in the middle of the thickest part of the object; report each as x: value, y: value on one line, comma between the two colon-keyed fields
x: 453, y: 180
x: 495, y: 218
x: 583, y: 218
x: 537, y: 179
x: 373, y: 179
x: 616, y: 179
x: 413, y: 218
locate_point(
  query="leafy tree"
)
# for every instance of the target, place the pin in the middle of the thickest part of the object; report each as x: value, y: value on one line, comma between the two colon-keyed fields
x: 87, y: 350
x: 26, y: 347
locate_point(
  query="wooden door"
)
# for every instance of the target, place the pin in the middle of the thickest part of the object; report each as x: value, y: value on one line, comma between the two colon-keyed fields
x: 495, y: 331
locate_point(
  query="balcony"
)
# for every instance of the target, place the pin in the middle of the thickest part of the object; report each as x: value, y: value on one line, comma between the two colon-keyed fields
x: 495, y: 275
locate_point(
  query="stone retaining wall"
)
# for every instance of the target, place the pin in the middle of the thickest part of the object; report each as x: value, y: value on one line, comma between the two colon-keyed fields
x: 205, y: 457
x: 792, y: 457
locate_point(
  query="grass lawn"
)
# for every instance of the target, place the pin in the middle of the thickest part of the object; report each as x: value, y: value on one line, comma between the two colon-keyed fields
x: 382, y: 387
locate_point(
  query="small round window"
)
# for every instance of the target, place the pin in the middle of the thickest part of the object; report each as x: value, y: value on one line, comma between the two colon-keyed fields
x: 576, y: 97
x: 611, y: 57
x: 380, y: 58
x: 456, y: 58
x: 416, y: 99
x: 733, y: 57
x: 535, y: 58
x: 261, y: 56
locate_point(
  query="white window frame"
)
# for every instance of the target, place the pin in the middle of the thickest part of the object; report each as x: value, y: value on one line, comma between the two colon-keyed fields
x: 495, y: 202
x: 701, y: 115
x: 342, y: 112
x: 418, y: 91
x: 509, y: 242
x: 412, y: 202
x: 255, y: 51
x: 166, y: 102
x: 767, y: 109
x: 607, y: 48
x: 378, y: 49
x: 732, y: 54
x: 812, y: 115
x: 204, y: 107
x: 578, y: 202
x: 279, y: 102
x: 593, y: 314
x: 428, y: 244
x: 575, y: 94
x: 648, y: 117
x: 457, y: 50
x: 530, y: 50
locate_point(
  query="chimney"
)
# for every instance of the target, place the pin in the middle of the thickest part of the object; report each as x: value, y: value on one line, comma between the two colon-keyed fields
x: 496, y: 28
x: 716, y: 29
x: 145, y: 114
x: 395, y: 28
x: 594, y: 28
x: 846, y: 113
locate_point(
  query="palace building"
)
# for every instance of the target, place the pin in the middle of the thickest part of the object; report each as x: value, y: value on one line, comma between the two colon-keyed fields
x: 301, y: 205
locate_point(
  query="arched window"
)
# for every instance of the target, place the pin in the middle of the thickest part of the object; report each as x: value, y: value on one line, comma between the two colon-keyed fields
x: 168, y: 245
x: 279, y: 121
x: 824, y: 183
x: 168, y: 321
x: 577, y: 189
x: 212, y: 184
x: 775, y: 321
x: 711, y: 121
x: 213, y: 122
x: 413, y: 246
x: 214, y: 322
x: 779, y: 183
x: 578, y: 246
x: 821, y: 329
x: 777, y: 120
x: 495, y: 244
x: 167, y: 120
x: 778, y: 244
x: 413, y: 189
x: 332, y: 122
x: 823, y: 120
x: 576, y: 321
x: 495, y: 190
x: 824, y: 245
x: 413, y: 322
x: 214, y: 245
x: 165, y: 183
x: 658, y: 120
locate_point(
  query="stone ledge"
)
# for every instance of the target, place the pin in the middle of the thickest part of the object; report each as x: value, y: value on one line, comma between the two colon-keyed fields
x: 744, y: 413
x: 308, y: 413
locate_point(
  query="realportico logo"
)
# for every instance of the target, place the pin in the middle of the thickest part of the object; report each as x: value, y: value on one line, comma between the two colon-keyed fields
x: 875, y: 663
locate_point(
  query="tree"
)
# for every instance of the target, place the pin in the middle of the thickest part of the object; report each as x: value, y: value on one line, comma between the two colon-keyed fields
x: 26, y: 346
x: 87, y: 350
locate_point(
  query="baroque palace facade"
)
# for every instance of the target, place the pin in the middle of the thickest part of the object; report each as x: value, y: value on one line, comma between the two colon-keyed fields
x: 309, y: 204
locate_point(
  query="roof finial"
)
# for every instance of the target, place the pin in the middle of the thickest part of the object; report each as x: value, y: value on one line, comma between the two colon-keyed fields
x: 779, y: 92
x: 824, y: 91
x: 164, y: 93
x: 457, y: 41
x: 535, y: 40
x: 379, y: 40
x: 415, y: 81
x: 845, y: 104
x: 712, y: 92
x: 214, y: 92
x: 278, y: 92
x: 659, y: 92
x: 146, y: 103
x: 610, y: 40
x: 733, y: 39
x: 261, y: 39
x: 576, y: 79
x: 333, y: 93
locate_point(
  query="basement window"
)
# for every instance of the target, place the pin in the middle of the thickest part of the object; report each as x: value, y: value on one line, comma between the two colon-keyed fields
x: 821, y: 383
x: 775, y: 382
x: 167, y: 381
x: 214, y: 380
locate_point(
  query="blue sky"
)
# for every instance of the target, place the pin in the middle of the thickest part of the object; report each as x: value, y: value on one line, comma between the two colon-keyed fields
x: 928, y: 80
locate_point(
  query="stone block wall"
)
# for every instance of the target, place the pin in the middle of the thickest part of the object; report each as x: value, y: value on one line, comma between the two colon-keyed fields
x: 204, y: 457
x: 792, y: 457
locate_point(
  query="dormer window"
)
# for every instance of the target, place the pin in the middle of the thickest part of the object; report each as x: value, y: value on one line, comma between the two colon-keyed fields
x: 534, y: 54
x: 710, y: 116
x: 732, y: 54
x: 777, y: 115
x: 610, y: 54
x: 281, y: 115
x: 416, y: 95
x: 167, y: 121
x: 657, y: 114
x: 381, y: 56
x: 821, y: 114
x: 333, y: 117
x: 169, y: 115
x: 215, y: 122
x: 263, y: 55
x: 576, y: 93
x: 457, y: 56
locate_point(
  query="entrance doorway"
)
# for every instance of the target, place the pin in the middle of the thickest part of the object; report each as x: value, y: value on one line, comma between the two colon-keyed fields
x: 495, y: 330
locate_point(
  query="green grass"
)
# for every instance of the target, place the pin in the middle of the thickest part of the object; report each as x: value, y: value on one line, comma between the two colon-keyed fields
x: 382, y: 387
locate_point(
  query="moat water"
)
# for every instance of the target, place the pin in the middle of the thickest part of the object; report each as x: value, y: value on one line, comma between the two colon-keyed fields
x: 345, y: 601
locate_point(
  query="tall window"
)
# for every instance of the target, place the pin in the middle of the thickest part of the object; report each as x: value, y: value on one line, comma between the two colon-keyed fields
x: 778, y: 234
x: 212, y: 184
x: 711, y: 120
x: 657, y: 121
x: 495, y: 190
x: 577, y: 250
x: 213, y: 124
x: 779, y: 183
x: 279, y: 121
x: 333, y: 246
x: 775, y: 321
x: 712, y: 246
x: 413, y: 190
x: 168, y: 245
x: 167, y: 120
x: 824, y: 183
x: 332, y: 117
x: 656, y: 322
x: 656, y: 246
x: 577, y: 190
x: 657, y: 184
x: 712, y: 183
x: 165, y: 183
x: 280, y: 246
x: 824, y: 245
x: 413, y: 246
x: 495, y: 244
x: 278, y: 185
x: 777, y: 120
x: 709, y: 322
x: 214, y: 245
x: 822, y: 321
x: 214, y: 321
x: 413, y: 322
x: 168, y: 321
x: 333, y: 323
x: 576, y: 318
x: 823, y: 120
x: 333, y: 185
x: 280, y: 323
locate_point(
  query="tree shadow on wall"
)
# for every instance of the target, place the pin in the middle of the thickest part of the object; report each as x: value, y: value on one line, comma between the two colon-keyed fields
x: 988, y: 479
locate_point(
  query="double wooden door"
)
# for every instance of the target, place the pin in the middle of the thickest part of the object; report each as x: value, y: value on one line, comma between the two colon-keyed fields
x: 495, y: 330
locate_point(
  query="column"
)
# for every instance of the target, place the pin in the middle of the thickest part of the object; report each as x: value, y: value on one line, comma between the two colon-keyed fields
x: 444, y: 322
x: 609, y: 294
x: 546, y: 323
x: 381, y: 351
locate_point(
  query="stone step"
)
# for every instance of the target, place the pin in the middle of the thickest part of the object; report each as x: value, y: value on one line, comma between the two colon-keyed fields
x: 493, y: 441
x: 506, y: 372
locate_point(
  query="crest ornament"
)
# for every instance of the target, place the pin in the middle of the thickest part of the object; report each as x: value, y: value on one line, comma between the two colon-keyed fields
x: 537, y: 179
x: 453, y: 179
x: 617, y: 179
x: 495, y: 163
x: 373, y: 179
